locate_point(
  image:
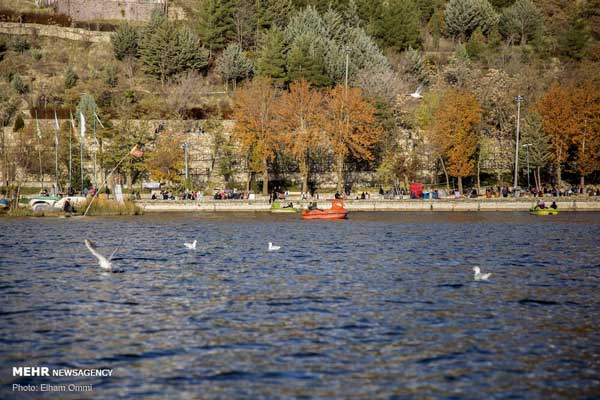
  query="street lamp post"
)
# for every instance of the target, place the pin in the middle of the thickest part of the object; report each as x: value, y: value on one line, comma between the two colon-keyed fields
x: 527, y: 158
x: 185, y: 154
x: 518, y: 99
x: 347, y: 50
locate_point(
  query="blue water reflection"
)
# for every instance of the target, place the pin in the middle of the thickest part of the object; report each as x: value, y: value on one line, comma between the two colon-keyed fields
x: 378, y: 306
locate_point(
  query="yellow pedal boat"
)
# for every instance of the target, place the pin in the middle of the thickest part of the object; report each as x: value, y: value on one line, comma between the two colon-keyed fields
x: 543, y: 211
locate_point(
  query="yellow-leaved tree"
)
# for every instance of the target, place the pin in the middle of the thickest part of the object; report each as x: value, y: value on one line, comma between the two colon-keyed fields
x: 165, y: 161
x: 350, y: 127
x: 559, y: 121
x: 253, y: 111
x: 586, y: 99
x: 455, y: 131
x: 299, y: 121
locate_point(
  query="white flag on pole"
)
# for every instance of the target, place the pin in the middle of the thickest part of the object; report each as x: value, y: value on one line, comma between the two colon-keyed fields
x: 57, y: 127
x: 82, y: 126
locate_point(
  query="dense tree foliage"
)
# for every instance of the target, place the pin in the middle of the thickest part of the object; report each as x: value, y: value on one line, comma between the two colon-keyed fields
x: 125, y: 42
x: 463, y: 17
x: 233, y: 65
x: 169, y: 50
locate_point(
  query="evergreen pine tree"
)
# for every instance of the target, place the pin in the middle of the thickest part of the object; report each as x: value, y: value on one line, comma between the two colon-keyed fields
x: 169, y: 51
x: 273, y: 13
x: 399, y: 25
x: 522, y: 21
x: 303, y: 63
x: 125, y: 42
x: 463, y: 17
x: 435, y: 27
x: 70, y: 78
x: 233, y: 65
x: 271, y: 57
x: 18, y: 84
x: 476, y: 45
x: 216, y: 26
x: 574, y: 40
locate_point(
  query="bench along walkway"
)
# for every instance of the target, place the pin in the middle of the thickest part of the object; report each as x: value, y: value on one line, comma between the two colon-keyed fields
x: 498, y: 204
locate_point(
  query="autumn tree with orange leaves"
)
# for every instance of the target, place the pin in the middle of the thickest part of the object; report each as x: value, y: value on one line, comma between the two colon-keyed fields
x: 350, y: 127
x: 557, y: 110
x: 455, y: 131
x: 299, y: 120
x: 586, y: 101
x: 253, y: 110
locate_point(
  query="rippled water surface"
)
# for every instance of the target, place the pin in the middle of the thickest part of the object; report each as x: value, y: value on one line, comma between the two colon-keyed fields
x: 378, y: 306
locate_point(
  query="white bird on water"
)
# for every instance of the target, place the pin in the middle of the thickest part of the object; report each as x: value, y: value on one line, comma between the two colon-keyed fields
x: 105, y: 263
x: 273, y: 248
x: 417, y: 93
x: 479, y: 276
x: 191, y: 246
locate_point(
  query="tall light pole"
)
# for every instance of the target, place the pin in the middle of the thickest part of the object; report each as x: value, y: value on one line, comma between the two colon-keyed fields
x: 347, y: 50
x: 527, y: 157
x: 185, y: 154
x: 518, y: 99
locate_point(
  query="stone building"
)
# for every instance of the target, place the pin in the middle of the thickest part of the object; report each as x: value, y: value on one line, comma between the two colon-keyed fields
x: 130, y: 10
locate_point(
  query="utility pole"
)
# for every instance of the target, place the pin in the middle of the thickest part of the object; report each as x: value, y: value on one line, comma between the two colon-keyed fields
x: 519, y: 99
x: 185, y: 153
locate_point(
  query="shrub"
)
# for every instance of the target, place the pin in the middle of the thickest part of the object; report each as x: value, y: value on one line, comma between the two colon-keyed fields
x: 19, y: 123
x: 20, y: 44
x: 71, y: 78
x: 18, y: 84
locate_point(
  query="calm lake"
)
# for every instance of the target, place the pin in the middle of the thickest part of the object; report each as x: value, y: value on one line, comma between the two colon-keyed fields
x: 381, y: 306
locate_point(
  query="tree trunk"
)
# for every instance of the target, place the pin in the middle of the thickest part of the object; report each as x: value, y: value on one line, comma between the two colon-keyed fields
x: 265, y: 190
x: 129, y: 181
x: 478, y: 177
x: 536, y: 181
x: 249, y: 182
x: 339, y: 170
x: 304, y: 173
x: 582, y: 181
x: 446, y: 174
x: 558, y: 176
x: 460, y: 188
x: 539, y: 179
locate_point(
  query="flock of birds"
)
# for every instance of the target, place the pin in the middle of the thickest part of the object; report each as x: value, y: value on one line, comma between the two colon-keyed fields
x: 106, y: 265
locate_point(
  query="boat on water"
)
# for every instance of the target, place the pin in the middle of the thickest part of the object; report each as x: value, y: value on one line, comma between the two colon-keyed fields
x: 277, y: 207
x: 337, y: 211
x: 543, y: 211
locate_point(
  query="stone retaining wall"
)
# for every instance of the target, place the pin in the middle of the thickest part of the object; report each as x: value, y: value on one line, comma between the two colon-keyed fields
x: 14, y: 28
x: 125, y: 10
x: 367, y: 205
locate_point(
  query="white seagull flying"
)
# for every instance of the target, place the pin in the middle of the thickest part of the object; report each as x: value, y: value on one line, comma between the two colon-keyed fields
x: 479, y: 276
x: 417, y: 93
x: 191, y: 246
x: 273, y: 248
x: 105, y: 263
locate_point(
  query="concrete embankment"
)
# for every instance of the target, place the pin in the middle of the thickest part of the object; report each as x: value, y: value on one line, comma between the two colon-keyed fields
x: 564, y: 204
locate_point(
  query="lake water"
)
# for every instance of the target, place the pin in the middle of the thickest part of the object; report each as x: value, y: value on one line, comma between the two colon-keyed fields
x: 381, y: 306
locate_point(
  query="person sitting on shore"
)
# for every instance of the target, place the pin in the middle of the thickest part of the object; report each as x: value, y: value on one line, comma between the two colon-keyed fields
x: 553, y: 205
x: 289, y: 205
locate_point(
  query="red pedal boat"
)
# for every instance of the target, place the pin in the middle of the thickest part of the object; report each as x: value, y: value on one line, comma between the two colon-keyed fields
x: 337, y: 211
